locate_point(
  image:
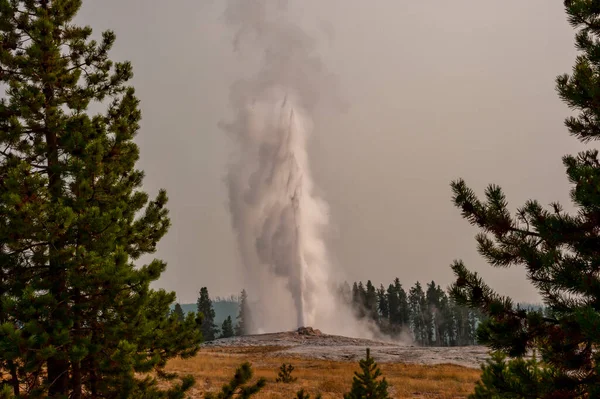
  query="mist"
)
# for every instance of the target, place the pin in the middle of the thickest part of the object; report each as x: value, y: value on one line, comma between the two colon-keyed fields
x: 278, y: 219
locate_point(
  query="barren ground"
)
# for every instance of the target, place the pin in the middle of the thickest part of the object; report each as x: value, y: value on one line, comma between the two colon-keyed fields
x: 325, y: 364
x: 331, y: 347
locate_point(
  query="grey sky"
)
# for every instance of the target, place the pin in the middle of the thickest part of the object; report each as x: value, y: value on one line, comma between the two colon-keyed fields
x: 435, y: 90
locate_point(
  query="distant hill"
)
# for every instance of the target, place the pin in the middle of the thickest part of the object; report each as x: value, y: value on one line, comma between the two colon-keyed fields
x: 222, y: 310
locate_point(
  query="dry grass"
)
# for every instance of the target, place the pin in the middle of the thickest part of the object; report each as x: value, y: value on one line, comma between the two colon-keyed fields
x: 212, y: 368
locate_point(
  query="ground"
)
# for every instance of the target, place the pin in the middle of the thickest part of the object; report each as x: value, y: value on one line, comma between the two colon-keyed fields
x: 326, y: 364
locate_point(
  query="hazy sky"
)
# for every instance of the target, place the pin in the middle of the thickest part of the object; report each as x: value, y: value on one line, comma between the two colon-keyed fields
x: 435, y: 90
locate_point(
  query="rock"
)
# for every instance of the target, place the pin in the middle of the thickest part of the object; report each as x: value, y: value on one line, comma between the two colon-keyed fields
x: 308, y: 331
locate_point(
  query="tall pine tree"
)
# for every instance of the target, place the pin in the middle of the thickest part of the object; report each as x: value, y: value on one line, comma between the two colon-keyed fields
x: 78, y: 317
x: 560, y: 251
x: 178, y: 312
x: 243, y: 318
x: 418, y: 313
x: 207, y: 312
x: 383, y: 305
x: 370, y: 301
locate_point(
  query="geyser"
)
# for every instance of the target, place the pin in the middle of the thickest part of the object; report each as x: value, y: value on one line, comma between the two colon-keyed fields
x: 276, y: 215
x: 277, y: 218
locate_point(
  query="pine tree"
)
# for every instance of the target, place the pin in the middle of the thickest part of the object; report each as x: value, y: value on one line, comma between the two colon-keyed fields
x: 383, y: 305
x: 403, y: 308
x: 366, y: 384
x: 432, y: 313
x: 446, y: 325
x: 501, y: 379
x: 359, y: 299
x: 78, y: 316
x: 558, y: 250
x: 178, y: 312
x: 207, y: 312
x: 285, y: 374
x: 237, y: 388
x: 418, y: 306
x: 227, y: 328
x: 243, y: 317
x: 370, y: 301
x: 393, y: 303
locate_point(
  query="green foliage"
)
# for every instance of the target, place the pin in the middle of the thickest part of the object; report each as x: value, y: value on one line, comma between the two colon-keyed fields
x: 222, y: 308
x: 285, y: 374
x: 301, y: 394
x: 431, y: 317
x: 366, y: 384
x: 558, y: 250
x: 227, y: 328
x: 237, y: 387
x: 206, y: 310
x: 77, y: 315
x: 515, y: 378
x: 178, y: 312
x: 418, y: 311
x: 398, y: 306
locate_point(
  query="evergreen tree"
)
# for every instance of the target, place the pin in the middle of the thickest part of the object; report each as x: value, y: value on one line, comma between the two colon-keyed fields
x: 403, y: 308
x: 464, y: 333
x: 237, y: 388
x: 558, y: 250
x: 367, y: 383
x: 243, y: 317
x: 227, y: 328
x: 359, y: 298
x: 438, y: 317
x: 383, y: 305
x: 431, y: 315
x: 418, y: 306
x: 207, y: 312
x: 285, y: 374
x: 78, y: 316
x: 501, y: 379
x: 398, y: 307
x: 393, y: 303
x: 178, y: 312
x: 445, y: 320
x: 370, y: 301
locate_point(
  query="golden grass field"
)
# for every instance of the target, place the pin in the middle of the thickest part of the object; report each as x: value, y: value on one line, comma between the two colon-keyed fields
x: 214, y: 367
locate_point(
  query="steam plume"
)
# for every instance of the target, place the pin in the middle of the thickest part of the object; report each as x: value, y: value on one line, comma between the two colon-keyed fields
x: 277, y: 218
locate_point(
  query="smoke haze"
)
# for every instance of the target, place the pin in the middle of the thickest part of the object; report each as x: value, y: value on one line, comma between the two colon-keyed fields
x: 436, y: 89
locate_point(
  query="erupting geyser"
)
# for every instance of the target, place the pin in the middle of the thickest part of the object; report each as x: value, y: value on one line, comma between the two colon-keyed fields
x: 277, y: 218
x: 276, y: 215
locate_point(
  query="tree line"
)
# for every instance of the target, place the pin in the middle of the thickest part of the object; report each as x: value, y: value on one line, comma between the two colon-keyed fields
x: 429, y: 316
x: 427, y: 313
x: 206, y: 316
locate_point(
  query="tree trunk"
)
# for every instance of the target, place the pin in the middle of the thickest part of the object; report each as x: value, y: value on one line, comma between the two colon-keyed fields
x: 14, y: 378
x: 58, y: 366
x: 76, y: 380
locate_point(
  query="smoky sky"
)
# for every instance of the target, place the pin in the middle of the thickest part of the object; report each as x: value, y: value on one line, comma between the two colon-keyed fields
x: 432, y: 90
